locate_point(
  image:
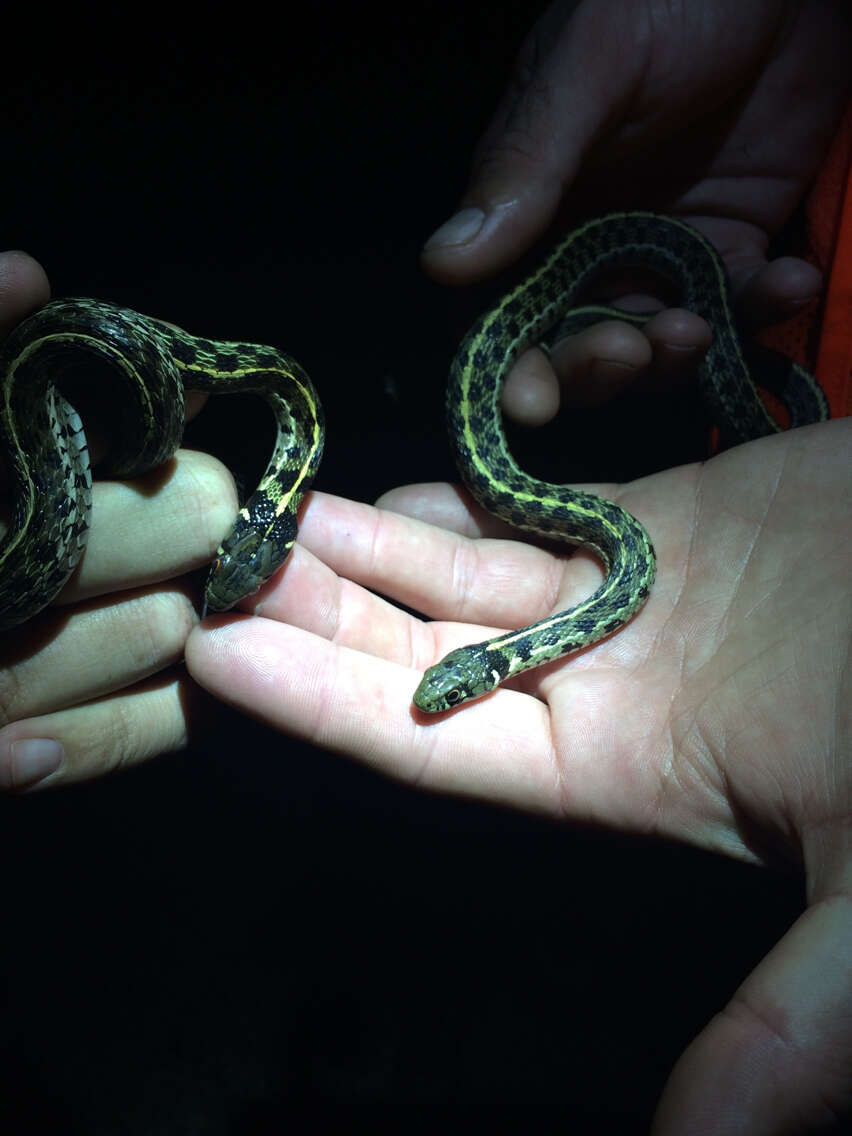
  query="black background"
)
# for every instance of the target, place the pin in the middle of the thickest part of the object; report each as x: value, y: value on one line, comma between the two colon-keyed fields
x: 255, y: 936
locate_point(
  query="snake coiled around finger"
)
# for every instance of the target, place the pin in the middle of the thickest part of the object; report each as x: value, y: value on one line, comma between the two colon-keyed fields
x: 152, y: 364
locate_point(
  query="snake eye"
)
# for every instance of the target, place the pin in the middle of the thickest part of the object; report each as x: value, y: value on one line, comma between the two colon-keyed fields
x: 454, y: 696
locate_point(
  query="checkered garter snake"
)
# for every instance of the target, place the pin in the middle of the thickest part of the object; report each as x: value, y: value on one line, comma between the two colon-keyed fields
x: 524, y: 317
x: 45, y: 451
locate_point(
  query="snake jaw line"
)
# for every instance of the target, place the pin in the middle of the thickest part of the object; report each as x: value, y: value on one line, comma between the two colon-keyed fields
x: 461, y: 676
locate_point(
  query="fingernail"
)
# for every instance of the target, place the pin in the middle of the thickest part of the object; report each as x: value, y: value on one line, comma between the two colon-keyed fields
x: 460, y: 228
x: 30, y: 761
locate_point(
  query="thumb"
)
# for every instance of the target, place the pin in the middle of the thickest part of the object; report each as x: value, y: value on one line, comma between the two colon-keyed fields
x: 778, y: 1058
x: 23, y: 288
x: 571, y: 82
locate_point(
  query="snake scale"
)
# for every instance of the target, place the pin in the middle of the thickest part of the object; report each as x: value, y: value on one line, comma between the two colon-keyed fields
x: 545, y: 301
x: 47, y: 458
x: 45, y: 449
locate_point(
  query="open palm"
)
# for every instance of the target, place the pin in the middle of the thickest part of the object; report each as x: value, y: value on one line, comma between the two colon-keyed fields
x: 720, y: 715
x: 708, y: 711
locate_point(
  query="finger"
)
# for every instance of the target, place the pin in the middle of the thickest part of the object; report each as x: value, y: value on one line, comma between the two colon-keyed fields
x: 531, y: 394
x: 99, y: 737
x: 58, y: 662
x: 534, y: 146
x: 493, y: 583
x: 309, y: 595
x: 766, y: 291
x: 595, y: 365
x: 23, y: 288
x: 777, y: 291
x: 154, y: 528
x: 366, y: 551
x: 355, y: 704
x: 779, y: 1056
x: 679, y: 340
x: 443, y: 505
x: 312, y: 596
x: 592, y: 366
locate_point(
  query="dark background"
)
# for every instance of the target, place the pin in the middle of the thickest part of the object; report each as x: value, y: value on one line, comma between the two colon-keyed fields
x: 256, y: 936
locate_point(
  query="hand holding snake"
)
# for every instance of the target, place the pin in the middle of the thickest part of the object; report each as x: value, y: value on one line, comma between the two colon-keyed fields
x: 591, y: 750
x: 127, y: 610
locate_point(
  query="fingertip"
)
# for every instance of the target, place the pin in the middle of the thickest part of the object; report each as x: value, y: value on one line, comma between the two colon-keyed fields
x: 491, y: 230
x: 24, y: 286
x: 26, y: 762
x: 98, y: 737
x: 530, y: 394
x: 679, y: 329
x: 778, y: 290
x: 679, y: 339
x: 596, y: 364
x: 193, y: 403
x: 461, y: 229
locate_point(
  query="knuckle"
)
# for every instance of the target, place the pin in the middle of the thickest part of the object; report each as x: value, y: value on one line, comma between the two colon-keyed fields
x: 465, y: 568
x: 124, y: 730
x: 155, y: 628
x: 11, y: 695
x: 209, y: 495
x: 118, y: 741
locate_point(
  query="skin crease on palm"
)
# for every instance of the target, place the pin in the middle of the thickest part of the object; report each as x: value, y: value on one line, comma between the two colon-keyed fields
x: 721, y: 715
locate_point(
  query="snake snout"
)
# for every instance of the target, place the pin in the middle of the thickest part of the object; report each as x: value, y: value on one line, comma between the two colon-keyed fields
x: 243, y: 564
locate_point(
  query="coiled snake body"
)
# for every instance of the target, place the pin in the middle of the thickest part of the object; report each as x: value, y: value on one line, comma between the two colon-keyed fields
x: 47, y: 458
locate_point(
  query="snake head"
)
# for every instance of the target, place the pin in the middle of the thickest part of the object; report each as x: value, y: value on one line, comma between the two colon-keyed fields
x: 243, y: 564
x: 225, y: 583
x: 464, y: 674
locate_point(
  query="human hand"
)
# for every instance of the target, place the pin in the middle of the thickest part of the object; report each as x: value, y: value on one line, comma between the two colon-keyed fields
x: 719, y: 113
x: 99, y: 673
x: 719, y: 715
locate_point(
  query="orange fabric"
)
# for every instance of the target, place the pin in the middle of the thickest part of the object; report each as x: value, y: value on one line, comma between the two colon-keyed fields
x: 834, y: 359
x: 820, y: 336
